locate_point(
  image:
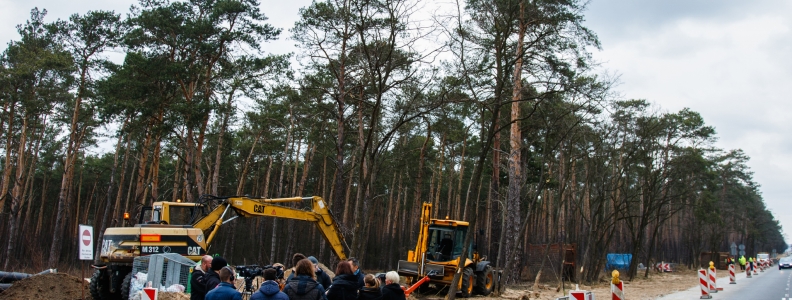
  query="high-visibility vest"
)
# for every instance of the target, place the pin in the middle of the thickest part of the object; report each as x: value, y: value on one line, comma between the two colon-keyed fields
x: 742, y: 260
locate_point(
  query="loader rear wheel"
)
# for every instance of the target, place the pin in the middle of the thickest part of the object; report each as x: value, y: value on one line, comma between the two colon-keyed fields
x: 485, y: 281
x: 100, y: 286
x: 468, y: 280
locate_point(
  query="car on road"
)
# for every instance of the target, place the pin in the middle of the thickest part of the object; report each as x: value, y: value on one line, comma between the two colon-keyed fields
x: 785, y: 262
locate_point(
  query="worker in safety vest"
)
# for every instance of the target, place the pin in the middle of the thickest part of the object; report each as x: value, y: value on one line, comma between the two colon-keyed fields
x: 751, y: 264
x: 742, y: 262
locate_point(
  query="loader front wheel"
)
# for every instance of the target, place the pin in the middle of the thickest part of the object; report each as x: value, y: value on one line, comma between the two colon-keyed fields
x: 468, y: 280
x: 100, y: 286
x: 125, y: 286
x: 485, y: 281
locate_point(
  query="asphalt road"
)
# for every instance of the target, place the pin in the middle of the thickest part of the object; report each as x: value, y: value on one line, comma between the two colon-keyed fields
x: 772, y: 284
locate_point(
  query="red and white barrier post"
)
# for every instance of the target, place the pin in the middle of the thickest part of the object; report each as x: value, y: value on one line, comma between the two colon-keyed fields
x: 748, y: 270
x: 704, y: 284
x: 753, y: 266
x: 761, y: 267
x: 713, y: 287
x: 617, y: 287
x: 732, y: 278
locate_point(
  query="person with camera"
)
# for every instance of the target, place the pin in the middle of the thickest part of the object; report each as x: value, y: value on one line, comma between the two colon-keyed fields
x: 392, y: 290
x: 303, y: 285
x: 345, y: 286
x: 197, y: 281
x: 212, y: 278
x: 270, y: 290
x: 226, y: 290
x: 372, y: 290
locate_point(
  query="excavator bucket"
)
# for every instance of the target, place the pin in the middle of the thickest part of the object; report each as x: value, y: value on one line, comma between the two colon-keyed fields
x: 414, y: 269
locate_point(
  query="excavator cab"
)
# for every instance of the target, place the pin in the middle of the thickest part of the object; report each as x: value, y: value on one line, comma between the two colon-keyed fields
x: 445, y: 242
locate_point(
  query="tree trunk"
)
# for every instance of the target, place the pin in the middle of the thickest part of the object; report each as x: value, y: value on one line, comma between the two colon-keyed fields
x: 16, y: 194
x: 7, y: 167
x: 109, y: 196
x: 513, y: 202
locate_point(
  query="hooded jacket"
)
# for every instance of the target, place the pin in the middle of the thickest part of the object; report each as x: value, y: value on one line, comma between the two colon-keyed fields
x: 369, y: 293
x: 344, y: 287
x: 304, y: 287
x: 392, y: 291
x: 269, y: 291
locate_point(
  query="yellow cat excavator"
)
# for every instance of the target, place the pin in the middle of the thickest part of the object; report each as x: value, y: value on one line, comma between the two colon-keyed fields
x: 189, y: 229
x: 436, y: 257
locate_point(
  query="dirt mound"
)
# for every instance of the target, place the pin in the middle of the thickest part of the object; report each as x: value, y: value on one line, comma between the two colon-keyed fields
x: 172, y: 296
x: 47, y: 286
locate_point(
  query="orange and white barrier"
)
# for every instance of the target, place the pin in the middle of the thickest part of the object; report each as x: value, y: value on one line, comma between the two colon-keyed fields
x: 753, y: 266
x: 747, y: 271
x: 732, y: 278
x: 704, y: 284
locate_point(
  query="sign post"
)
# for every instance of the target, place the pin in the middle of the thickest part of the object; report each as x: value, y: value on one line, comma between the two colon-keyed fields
x: 85, y: 240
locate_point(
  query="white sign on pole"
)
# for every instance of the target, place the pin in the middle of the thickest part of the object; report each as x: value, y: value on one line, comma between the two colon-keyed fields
x: 85, y: 237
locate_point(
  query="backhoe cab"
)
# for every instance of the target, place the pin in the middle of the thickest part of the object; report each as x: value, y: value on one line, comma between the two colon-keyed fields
x: 437, y: 255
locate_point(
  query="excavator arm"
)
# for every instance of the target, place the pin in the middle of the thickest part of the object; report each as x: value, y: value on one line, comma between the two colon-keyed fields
x: 253, y: 207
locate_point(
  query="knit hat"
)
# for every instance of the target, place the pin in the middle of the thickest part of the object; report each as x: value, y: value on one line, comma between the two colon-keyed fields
x: 218, y: 263
x: 313, y: 260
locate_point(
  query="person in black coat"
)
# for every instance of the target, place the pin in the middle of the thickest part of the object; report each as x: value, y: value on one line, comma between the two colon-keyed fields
x: 344, y: 285
x: 212, y: 278
x: 392, y: 290
x: 371, y: 291
x: 357, y: 271
x: 303, y: 286
x: 197, y: 280
x: 321, y: 277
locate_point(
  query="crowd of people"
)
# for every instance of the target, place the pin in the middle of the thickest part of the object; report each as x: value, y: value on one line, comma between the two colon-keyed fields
x: 214, y: 279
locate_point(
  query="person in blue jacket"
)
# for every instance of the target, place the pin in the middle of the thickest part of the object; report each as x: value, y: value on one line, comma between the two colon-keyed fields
x: 270, y: 290
x: 226, y: 289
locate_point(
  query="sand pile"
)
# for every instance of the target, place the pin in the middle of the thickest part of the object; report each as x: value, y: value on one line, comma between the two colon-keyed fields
x: 47, y: 286
x: 172, y: 296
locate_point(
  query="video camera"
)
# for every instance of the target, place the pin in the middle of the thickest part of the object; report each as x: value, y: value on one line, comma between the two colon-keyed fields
x: 251, y: 271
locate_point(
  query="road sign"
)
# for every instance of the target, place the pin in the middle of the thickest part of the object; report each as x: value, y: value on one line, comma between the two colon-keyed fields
x: 733, y: 251
x: 742, y: 247
x: 742, y: 252
x: 85, y: 235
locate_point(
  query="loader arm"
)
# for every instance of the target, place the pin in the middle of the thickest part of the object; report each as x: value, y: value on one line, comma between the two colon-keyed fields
x: 252, y: 207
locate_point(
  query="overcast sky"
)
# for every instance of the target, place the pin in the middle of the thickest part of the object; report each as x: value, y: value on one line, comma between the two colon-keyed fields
x: 729, y: 60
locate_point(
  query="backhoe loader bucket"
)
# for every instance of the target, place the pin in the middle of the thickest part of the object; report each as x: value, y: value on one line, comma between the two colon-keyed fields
x: 408, y: 268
